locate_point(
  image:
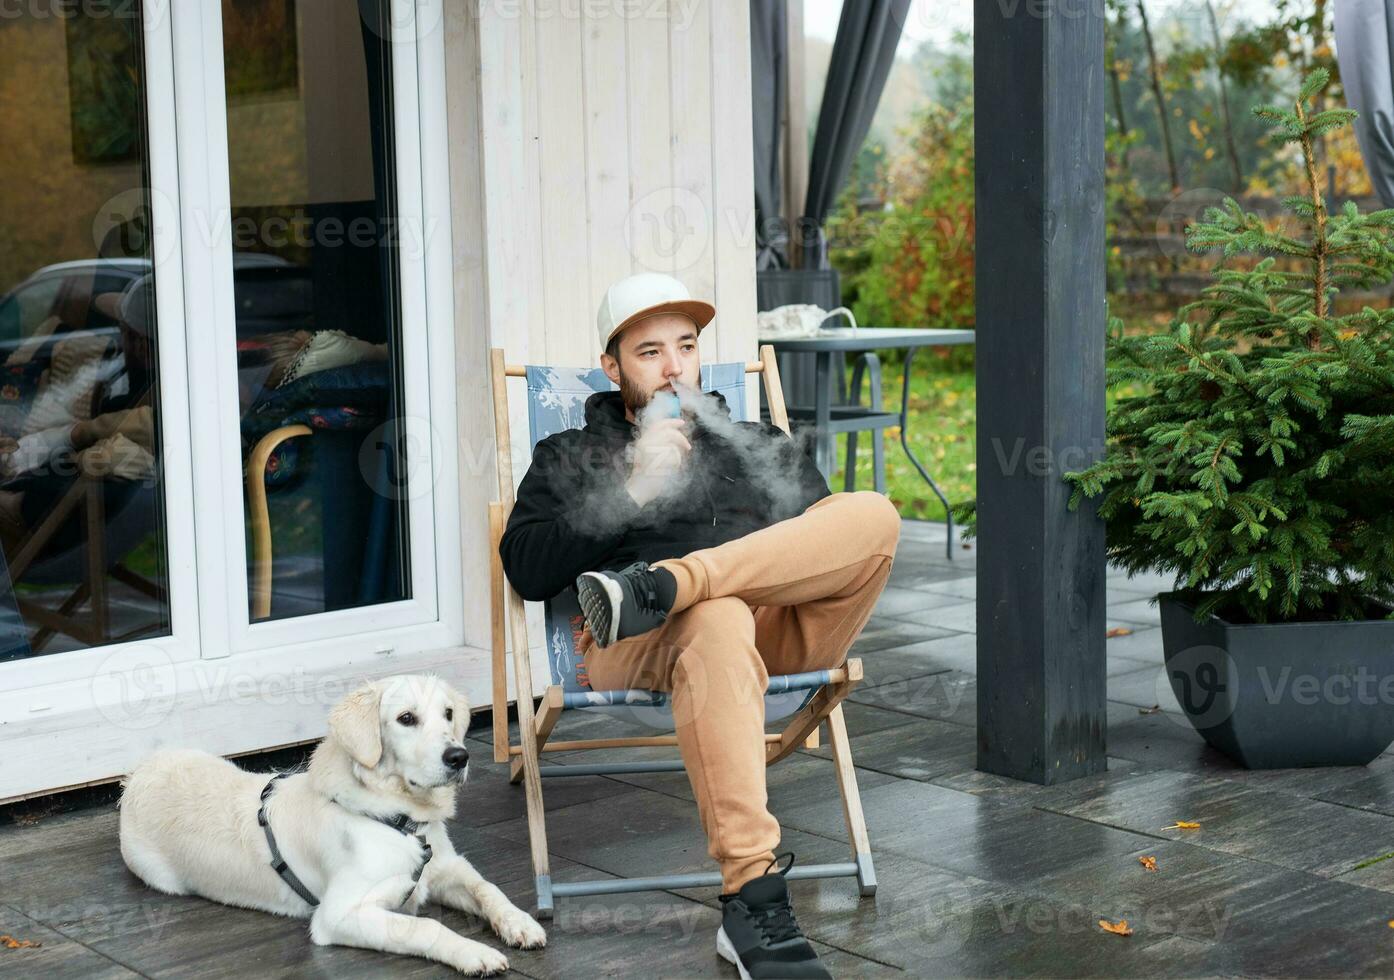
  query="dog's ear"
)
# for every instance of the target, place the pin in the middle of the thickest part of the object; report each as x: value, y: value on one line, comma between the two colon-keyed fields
x: 354, y: 724
x: 461, y: 707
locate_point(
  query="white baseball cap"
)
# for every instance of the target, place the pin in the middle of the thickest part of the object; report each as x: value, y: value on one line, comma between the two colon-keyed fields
x: 644, y: 295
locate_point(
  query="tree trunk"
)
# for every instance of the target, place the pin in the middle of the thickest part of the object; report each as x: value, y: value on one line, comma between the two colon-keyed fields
x: 1155, y: 72
x: 1237, y: 177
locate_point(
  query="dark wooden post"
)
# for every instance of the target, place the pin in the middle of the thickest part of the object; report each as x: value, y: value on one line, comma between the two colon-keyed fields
x: 1039, y: 95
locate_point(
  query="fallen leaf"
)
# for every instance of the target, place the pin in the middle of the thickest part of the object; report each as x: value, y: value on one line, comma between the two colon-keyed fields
x: 1150, y: 711
x: 1148, y: 862
x: 1118, y: 631
x: 1183, y: 825
x: 10, y: 942
x: 1119, y: 928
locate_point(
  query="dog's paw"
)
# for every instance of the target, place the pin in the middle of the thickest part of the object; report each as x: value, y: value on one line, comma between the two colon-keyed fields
x: 521, y: 930
x: 484, y: 962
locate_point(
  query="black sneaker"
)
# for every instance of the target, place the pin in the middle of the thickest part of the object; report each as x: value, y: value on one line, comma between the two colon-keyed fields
x: 626, y: 603
x: 760, y: 935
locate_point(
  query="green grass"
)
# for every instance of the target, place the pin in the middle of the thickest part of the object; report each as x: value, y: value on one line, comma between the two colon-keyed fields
x: 943, y: 434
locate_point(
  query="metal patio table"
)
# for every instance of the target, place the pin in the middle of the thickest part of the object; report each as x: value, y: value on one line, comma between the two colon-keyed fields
x: 829, y: 420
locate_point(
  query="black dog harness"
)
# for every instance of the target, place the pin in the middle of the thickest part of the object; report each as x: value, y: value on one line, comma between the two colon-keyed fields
x: 399, y: 822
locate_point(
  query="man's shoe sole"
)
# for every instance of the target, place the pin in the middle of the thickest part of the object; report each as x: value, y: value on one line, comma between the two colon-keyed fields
x: 727, y: 952
x: 600, y: 597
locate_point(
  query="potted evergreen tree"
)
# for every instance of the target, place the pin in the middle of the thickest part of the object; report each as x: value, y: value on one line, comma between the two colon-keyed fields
x: 1258, y: 467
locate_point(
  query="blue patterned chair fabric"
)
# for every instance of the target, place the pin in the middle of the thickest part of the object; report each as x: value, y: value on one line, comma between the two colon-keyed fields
x: 556, y: 402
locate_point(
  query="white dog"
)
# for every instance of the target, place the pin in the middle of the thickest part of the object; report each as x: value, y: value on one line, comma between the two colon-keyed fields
x: 360, y: 834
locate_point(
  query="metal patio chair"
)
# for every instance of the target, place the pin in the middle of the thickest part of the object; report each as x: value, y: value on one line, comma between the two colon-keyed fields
x: 556, y: 398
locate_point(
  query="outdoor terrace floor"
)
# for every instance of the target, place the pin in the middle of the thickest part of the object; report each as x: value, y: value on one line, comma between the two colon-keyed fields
x: 979, y: 875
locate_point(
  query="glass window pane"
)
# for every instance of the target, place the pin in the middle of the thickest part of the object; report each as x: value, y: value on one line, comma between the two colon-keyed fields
x: 309, y: 107
x: 82, y: 526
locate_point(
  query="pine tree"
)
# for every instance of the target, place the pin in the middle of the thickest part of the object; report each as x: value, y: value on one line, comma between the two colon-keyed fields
x: 1258, y: 466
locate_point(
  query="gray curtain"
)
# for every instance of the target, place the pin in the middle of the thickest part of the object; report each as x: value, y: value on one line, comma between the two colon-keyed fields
x: 1364, y: 41
x: 769, y: 47
x: 863, y: 53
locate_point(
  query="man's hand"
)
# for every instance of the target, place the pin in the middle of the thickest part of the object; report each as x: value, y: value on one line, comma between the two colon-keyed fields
x: 659, y: 453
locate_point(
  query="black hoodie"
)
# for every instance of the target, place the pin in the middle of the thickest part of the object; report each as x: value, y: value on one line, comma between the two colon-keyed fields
x: 573, y: 514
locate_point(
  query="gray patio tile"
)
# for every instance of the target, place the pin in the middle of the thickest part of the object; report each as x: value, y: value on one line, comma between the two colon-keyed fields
x: 1261, y: 918
x: 94, y: 886
x: 1378, y: 874
x: 1116, y: 665
x: 921, y: 750
x: 1141, y: 643
x: 865, y: 719
x: 56, y: 957
x: 654, y: 934
x: 53, y: 834
x: 1144, y: 688
x: 961, y: 617
x: 649, y: 834
x: 882, y: 632
x: 1371, y: 792
x: 895, y: 601
x: 916, y: 573
x: 1040, y: 938
x: 798, y: 779
x: 1137, y: 611
x: 1016, y: 792
x: 1166, y: 740
x: 488, y: 798
x: 217, y: 941
x: 964, y: 588
x: 958, y: 651
x: 1118, y: 592
x: 1148, y: 582
x: 1236, y: 819
x: 951, y: 695
x: 959, y: 832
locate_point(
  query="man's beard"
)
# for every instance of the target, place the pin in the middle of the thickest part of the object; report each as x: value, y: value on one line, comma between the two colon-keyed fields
x: 634, y: 397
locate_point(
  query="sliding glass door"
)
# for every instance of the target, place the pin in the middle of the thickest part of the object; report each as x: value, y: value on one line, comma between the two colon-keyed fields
x: 90, y: 343
x: 312, y: 191
x: 221, y: 430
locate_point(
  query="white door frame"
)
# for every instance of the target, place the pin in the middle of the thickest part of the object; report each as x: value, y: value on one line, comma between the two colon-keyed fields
x: 218, y: 682
x: 426, y: 341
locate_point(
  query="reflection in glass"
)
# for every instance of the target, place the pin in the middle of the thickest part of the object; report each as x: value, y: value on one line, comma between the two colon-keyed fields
x: 318, y: 326
x: 82, y: 525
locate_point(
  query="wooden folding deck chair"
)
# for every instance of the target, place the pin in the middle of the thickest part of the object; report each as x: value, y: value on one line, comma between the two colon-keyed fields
x: 556, y: 398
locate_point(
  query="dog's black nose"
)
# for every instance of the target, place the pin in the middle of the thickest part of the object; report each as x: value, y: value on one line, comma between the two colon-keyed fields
x: 456, y: 757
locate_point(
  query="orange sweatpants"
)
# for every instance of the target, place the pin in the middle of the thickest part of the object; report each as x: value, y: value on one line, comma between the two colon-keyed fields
x: 785, y: 599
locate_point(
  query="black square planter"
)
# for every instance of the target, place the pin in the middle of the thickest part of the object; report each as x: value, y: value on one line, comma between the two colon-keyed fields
x: 1283, y: 695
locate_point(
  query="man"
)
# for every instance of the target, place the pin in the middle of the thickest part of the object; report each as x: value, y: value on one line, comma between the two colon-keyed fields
x: 710, y: 555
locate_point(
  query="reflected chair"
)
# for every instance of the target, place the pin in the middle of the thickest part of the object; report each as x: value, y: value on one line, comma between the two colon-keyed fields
x: 555, y: 402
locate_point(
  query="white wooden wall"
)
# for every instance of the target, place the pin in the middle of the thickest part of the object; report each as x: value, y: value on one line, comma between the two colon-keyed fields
x: 589, y: 139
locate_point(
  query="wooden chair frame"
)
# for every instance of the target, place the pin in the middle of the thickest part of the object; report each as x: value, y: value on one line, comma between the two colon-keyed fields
x: 538, y: 720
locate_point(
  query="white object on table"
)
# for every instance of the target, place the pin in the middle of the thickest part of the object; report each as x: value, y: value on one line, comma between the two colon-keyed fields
x: 797, y: 320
